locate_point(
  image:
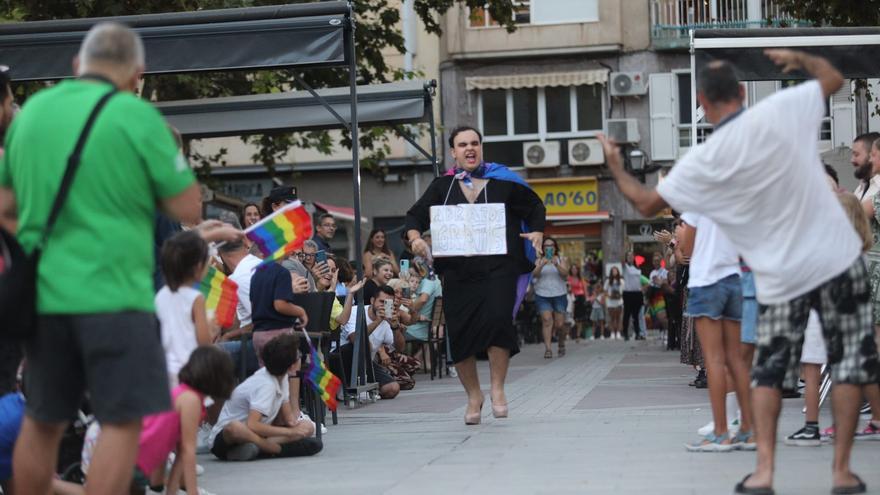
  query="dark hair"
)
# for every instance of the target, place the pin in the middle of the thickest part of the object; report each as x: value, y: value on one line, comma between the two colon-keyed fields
x: 555, y: 244
x: 386, y: 289
x: 346, y: 271
x: 572, y: 267
x: 832, y: 173
x: 182, y: 256
x: 231, y: 246
x: 369, y: 247
x: 325, y: 216
x: 210, y: 371
x: 611, y: 276
x: 867, y: 139
x: 244, y: 210
x: 458, y: 130
x: 718, y: 82
x: 280, y: 353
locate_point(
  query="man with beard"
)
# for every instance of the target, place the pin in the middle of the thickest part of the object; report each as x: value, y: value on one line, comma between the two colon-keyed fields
x: 869, y: 179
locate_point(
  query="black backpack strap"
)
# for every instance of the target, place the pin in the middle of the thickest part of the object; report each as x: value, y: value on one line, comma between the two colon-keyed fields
x: 72, y: 164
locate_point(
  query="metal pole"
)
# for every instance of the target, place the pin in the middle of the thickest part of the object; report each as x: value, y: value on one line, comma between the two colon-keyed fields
x: 693, y: 92
x: 434, y: 161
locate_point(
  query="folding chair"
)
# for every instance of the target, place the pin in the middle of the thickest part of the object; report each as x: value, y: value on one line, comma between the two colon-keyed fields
x: 318, y: 306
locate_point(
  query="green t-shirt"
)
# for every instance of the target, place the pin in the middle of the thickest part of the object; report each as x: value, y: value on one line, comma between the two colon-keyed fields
x: 99, y: 258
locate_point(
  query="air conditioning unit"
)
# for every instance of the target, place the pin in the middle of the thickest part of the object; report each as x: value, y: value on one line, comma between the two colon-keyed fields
x: 537, y: 154
x: 623, y: 130
x: 585, y: 152
x: 628, y: 83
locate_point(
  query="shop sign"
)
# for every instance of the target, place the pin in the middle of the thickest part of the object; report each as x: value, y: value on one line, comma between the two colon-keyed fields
x: 569, y: 195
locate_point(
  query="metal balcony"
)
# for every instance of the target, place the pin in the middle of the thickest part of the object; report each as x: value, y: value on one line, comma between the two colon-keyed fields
x: 671, y: 20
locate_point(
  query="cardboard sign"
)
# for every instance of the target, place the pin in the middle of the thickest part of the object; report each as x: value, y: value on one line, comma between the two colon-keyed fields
x: 468, y: 230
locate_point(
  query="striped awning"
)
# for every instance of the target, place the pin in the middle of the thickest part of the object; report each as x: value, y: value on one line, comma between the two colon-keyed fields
x: 548, y: 79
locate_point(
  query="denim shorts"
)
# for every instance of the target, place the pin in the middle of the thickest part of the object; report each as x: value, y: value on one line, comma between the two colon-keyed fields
x: 556, y: 304
x: 720, y: 301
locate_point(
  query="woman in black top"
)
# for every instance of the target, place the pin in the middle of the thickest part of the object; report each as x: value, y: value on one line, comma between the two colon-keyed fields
x: 480, y: 292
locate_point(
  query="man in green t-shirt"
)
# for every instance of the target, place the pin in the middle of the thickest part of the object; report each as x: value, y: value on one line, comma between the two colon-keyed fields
x: 96, y: 330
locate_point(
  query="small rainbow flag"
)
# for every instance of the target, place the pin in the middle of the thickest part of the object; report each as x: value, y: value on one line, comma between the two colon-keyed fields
x: 282, y: 232
x: 221, y: 295
x: 317, y: 374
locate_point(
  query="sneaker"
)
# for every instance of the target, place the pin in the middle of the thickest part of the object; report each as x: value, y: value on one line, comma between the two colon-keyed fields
x: 710, y: 443
x: 453, y: 372
x: 827, y: 434
x: 866, y: 409
x: 744, y: 441
x: 871, y: 432
x: 805, y: 437
x: 170, y: 463
x: 243, y: 452
x: 202, y: 437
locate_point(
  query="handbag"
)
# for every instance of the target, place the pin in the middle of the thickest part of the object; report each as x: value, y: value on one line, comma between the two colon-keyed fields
x: 18, y: 270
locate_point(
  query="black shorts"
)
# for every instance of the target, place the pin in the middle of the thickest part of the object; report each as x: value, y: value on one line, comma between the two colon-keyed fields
x: 220, y: 448
x: 116, y: 357
x: 383, y: 376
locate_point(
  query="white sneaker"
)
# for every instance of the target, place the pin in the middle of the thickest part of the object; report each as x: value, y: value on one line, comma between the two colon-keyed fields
x: 202, y: 437
x: 453, y: 372
x: 202, y: 491
x: 170, y: 462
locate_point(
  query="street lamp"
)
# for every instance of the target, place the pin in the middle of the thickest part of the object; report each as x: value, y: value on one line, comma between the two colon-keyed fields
x: 637, y: 160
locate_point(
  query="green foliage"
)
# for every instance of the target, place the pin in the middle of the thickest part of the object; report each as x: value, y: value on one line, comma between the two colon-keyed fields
x: 377, y: 30
x: 834, y: 12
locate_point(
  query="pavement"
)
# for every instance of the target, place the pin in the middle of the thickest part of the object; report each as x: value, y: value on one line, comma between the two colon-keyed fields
x: 610, y: 417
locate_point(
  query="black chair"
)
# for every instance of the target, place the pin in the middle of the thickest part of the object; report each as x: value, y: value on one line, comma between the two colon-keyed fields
x: 318, y: 306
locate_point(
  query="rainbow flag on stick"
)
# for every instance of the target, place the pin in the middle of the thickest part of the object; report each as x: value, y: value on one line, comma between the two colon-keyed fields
x: 282, y: 232
x: 317, y: 374
x: 221, y: 295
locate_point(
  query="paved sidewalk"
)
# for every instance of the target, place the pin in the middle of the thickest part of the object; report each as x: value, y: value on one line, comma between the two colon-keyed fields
x: 609, y: 417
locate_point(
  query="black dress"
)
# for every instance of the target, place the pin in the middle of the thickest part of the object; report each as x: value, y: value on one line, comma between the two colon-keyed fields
x: 479, y: 292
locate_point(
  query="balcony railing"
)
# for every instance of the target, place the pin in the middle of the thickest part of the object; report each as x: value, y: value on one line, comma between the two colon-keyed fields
x: 671, y: 20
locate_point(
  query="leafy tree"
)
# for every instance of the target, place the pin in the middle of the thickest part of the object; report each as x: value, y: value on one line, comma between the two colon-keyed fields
x: 377, y: 29
x: 834, y: 12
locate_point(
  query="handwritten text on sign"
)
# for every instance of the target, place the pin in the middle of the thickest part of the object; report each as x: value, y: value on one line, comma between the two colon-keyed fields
x: 468, y: 230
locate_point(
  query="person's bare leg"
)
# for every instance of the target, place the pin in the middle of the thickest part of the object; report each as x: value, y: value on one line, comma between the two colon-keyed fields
x: 467, y: 375
x: 812, y: 375
x: 115, y: 454
x: 709, y: 333
x: 236, y: 433
x: 499, y: 359
x: 747, y: 352
x: 36, y: 452
x: 547, y: 328
x: 389, y: 390
x: 738, y: 371
x: 845, y: 400
x: 872, y: 395
x: 766, y: 403
x: 559, y: 328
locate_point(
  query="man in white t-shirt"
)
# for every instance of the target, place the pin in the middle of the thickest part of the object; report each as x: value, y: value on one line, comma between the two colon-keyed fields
x: 382, y: 329
x: 236, y: 258
x: 758, y: 177
x: 258, y: 420
x: 715, y: 303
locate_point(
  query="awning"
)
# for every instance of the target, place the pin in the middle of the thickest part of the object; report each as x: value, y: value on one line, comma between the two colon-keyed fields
x: 855, y: 52
x: 209, y: 40
x: 340, y: 212
x: 405, y: 102
x: 550, y: 79
x: 579, y: 218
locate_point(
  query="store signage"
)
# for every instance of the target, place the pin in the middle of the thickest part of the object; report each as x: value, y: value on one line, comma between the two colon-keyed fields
x: 569, y: 195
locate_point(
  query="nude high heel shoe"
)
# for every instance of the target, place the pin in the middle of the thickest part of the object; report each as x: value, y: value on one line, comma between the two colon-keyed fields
x: 475, y: 418
x: 499, y: 411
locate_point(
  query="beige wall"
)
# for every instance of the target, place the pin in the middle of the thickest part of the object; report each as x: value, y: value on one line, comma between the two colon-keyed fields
x: 622, y: 24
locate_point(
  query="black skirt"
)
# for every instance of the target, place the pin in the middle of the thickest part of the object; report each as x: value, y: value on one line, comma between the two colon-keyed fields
x: 580, y: 308
x: 479, y: 314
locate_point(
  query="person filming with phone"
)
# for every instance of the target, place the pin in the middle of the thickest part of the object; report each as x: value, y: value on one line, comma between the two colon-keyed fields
x: 550, y: 295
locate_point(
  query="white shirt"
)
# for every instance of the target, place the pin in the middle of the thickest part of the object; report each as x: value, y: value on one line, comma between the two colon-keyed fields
x: 714, y: 256
x: 613, y: 289
x: 382, y: 335
x: 872, y: 189
x: 632, y: 278
x: 242, y: 276
x: 660, y: 273
x: 759, y: 178
x: 174, y: 310
x: 261, y: 392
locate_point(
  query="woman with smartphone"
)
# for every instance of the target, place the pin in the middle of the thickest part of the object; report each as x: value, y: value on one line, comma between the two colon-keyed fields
x: 550, y: 296
x: 480, y: 292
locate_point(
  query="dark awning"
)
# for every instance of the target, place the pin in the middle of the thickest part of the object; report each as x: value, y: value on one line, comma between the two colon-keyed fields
x: 211, y: 40
x: 378, y: 104
x: 854, y: 51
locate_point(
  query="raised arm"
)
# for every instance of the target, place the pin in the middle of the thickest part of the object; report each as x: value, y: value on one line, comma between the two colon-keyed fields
x: 646, y: 200
x: 791, y: 60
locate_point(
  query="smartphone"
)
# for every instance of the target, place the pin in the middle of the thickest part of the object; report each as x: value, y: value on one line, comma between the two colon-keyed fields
x: 548, y: 253
x: 321, y: 256
x: 389, y: 308
x: 404, y: 268
x: 406, y: 292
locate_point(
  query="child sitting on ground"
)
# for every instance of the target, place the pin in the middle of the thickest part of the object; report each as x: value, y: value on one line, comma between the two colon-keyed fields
x: 179, y: 304
x: 209, y: 372
x: 258, y: 420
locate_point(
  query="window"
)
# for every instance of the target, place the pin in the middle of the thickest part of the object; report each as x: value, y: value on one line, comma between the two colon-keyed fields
x: 535, y: 113
x: 683, y: 119
x: 541, y: 12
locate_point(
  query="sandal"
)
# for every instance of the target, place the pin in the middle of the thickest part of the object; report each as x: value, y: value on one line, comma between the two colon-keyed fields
x: 560, y: 351
x: 548, y: 354
x: 744, y: 441
x: 847, y: 490
x: 753, y: 490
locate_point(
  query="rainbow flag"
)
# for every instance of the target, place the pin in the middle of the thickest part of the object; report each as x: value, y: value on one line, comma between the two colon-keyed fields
x: 221, y: 295
x: 317, y: 374
x: 282, y: 232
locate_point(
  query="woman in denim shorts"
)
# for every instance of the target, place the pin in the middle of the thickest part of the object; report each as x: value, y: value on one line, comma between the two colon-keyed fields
x: 550, y: 295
